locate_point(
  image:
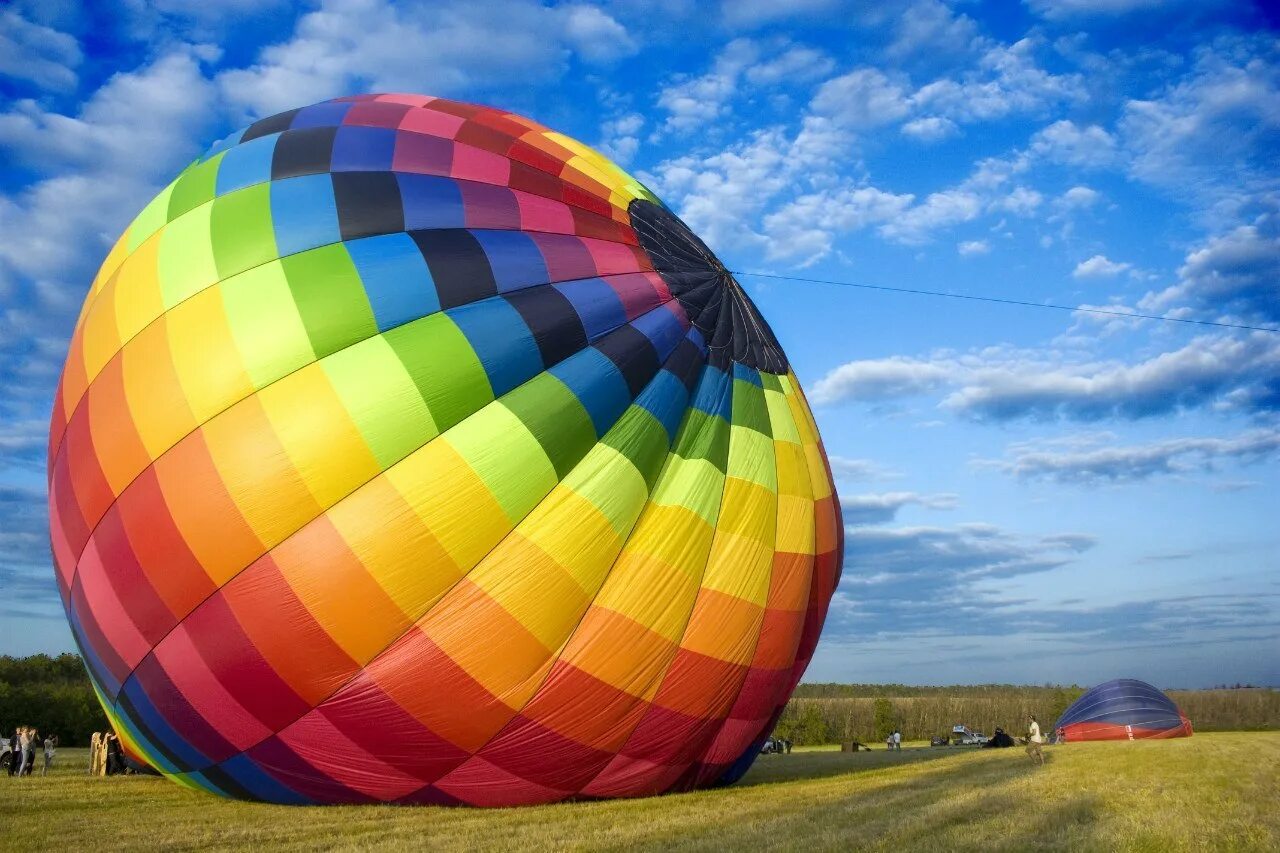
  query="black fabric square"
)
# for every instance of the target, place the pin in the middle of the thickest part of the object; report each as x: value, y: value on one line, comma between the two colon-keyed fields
x: 458, y: 265
x: 556, y: 327
x: 269, y: 125
x: 633, y: 355
x: 686, y: 364
x: 368, y: 203
x: 308, y: 151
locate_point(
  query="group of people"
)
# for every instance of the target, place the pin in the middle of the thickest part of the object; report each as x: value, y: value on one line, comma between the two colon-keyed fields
x: 894, y: 740
x: 106, y: 758
x: 22, y: 751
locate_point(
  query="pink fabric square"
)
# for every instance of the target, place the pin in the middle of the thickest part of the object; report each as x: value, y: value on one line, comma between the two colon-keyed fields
x: 538, y: 213
x: 432, y: 123
x: 118, y: 629
x: 611, y: 258
x: 188, y: 671
x: 476, y: 164
x: 483, y: 784
x: 319, y: 743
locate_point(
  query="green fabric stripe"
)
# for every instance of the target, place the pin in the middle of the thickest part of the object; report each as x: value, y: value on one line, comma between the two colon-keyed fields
x: 330, y: 297
x: 556, y: 418
x: 195, y: 186
x: 241, y: 230
x: 443, y: 365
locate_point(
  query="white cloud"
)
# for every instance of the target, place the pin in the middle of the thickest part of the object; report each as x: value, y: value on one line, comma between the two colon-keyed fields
x: 1022, y: 201
x: 1005, y: 81
x: 1056, y: 10
x: 882, y: 507
x: 1111, y: 463
x: 1211, y: 136
x: 1234, y: 273
x: 1225, y: 374
x: 845, y: 468
x: 938, y: 210
x: 930, y: 128
x: 973, y: 247
x: 753, y: 13
x: 806, y: 226
x: 878, y: 379
x: 1065, y: 142
x: 620, y: 137
x: 1099, y: 266
x: 795, y: 65
x: 932, y: 27
x: 596, y: 36
x: 862, y: 98
x: 349, y: 46
x: 1079, y: 198
x: 40, y: 54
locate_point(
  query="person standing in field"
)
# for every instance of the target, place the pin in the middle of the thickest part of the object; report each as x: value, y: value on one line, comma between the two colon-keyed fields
x: 24, y: 745
x: 14, y: 759
x: 50, y: 749
x: 1033, y: 742
x: 897, y: 740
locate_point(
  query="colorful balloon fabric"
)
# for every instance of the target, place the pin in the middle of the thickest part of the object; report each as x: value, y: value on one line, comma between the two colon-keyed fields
x: 408, y: 451
x: 1123, y: 709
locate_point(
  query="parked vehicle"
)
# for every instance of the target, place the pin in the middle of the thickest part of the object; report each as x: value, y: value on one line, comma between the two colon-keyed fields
x: 939, y: 741
x: 965, y: 736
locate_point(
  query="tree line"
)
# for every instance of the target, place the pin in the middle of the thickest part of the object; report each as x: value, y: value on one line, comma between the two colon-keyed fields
x: 833, y: 713
x: 51, y: 693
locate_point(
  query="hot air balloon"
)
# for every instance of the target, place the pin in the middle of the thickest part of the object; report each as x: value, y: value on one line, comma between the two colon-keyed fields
x: 409, y: 451
x: 1123, y: 709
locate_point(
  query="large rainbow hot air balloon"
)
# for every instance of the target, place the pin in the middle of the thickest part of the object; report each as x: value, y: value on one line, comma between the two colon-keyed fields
x: 408, y: 451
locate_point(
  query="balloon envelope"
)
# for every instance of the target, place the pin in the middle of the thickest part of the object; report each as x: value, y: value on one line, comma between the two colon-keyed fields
x: 409, y: 451
x: 1123, y: 709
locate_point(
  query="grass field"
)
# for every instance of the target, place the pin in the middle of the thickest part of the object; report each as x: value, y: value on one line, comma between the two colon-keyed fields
x: 1211, y: 792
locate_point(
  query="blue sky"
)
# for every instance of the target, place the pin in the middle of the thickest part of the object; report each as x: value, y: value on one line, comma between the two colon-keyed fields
x: 1030, y: 495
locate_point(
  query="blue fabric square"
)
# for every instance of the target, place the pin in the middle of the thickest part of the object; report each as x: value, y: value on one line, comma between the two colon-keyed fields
x: 396, y: 279
x: 713, y: 393
x: 502, y: 341
x: 430, y: 201
x: 246, y: 164
x: 363, y: 149
x: 597, y: 304
x: 598, y: 385
x: 303, y: 213
x: 662, y: 328
x: 327, y: 114
x: 516, y: 261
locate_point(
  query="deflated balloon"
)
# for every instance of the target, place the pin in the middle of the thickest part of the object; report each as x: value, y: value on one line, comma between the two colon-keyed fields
x: 409, y: 451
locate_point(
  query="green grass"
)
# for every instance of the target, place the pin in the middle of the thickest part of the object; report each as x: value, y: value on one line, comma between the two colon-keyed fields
x: 1211, y: 792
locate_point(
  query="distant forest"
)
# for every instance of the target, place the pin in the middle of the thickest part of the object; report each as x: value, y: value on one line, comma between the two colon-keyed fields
x: 830, y: 713
x: 53, y: 694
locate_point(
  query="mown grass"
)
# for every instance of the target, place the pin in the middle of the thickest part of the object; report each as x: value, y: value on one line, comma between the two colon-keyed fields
x: 1216, y: 791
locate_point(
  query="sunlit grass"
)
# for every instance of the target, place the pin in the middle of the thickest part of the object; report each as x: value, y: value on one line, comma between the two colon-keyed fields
x: 1210, y: 792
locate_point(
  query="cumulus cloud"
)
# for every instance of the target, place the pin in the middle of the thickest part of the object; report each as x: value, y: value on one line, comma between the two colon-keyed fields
x: 1099, y: 266
x: 1065, y: 142
x: 797, y: 64
x: 1224, y: 374
x: 929, y: 26
x: 443, y: 48
x: 754, y: 13
x: 1057, y: 10
x: 883, y: 507
x: 1079, y: 197
x: 1211, y: 135
x: 862, y: 98
x: 38, y: 54
x: 879, y: 379
x: 930, y: 128
x: 1233, y: 274
x: 1006, y: 80
x: 1088, y: 463
x: 973, y: 247
x: 806, y: 226
x: 846, y: 468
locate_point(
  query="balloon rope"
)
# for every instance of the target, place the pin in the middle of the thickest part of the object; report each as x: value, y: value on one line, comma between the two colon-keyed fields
x: 1003, y: 301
